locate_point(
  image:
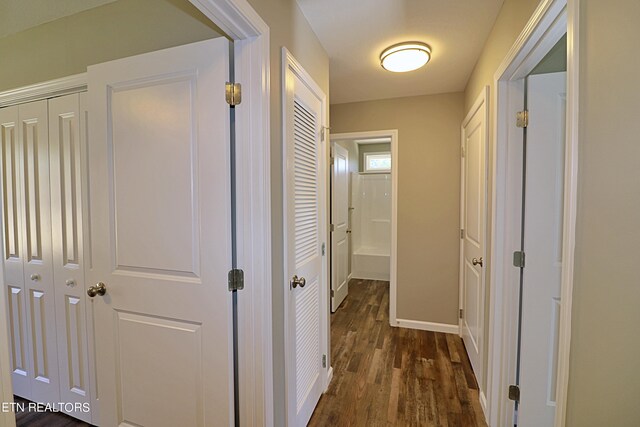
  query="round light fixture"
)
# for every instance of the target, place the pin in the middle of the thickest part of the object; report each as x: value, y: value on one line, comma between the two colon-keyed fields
x: 403, y: 57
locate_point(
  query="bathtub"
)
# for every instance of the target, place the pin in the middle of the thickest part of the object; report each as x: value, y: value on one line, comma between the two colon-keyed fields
x: 370, y: 263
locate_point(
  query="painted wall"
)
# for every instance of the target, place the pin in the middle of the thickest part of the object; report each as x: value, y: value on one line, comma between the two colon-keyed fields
x: 604, y: 379
x: 289, y: 28
x: 124, y: 28
x: 510, y: 22
x: 428, y: 195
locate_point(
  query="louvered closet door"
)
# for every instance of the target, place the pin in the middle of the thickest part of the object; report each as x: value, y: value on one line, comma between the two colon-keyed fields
x: 12, y: 250
x: 305, y: 208
x: 66, y: 152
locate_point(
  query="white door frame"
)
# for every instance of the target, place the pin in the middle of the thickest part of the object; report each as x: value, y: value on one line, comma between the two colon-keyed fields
x: 253, y: 203
x: 393, y: 270
x: 550, y: 21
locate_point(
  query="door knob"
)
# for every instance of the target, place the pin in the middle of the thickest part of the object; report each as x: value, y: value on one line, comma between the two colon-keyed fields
x: 295, y: 281
x: 35, y: 277
x: 477, y: 261
x: 99, y: 289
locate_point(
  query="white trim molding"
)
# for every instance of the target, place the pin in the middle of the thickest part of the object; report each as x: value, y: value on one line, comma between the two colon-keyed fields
x: 391, y: 134
x: 428, y: 326
x: 550, y: 21
x: 49, y: 89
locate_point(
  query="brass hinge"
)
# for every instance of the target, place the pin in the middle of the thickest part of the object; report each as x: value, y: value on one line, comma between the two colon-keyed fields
x: 323, y: 132
x: 236, y: 279
x: 518, y: 259
x: 514, y: 393
x: 463, y: 151
x: 324, y: 360
x: 461, y: 313
x: 233, y: 93
x: 333, y: 293
x: 332, y: 228
x: 522, y: 119
x: 462, y: 233
x: 324, y: 248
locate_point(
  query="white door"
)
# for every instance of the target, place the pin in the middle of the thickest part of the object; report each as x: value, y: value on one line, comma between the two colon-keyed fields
x: 305, y: 204
x: 161, y: 237
x: 546, y: 102
x: 28, y: 260
x: 474, y: 205
x: 66, y: 148
x: 340, y: 226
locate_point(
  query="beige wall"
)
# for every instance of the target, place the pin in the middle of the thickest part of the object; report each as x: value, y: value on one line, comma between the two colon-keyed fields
x: 127, y: 27
x: 510, y: 22
x: 288, y: 28
x: 604, y: 380
x: 428, y: 195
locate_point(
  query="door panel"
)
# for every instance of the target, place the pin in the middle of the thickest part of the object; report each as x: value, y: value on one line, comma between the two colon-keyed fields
x: 473, y: 299
x: 340, y: 221
x: 304, y: 205
x: 161, y: 236
x: 546, y: 102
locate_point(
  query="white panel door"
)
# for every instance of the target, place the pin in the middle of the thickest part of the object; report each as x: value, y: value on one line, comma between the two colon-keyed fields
x: 546, y: 102
x: 66, y: 153
x: 160, y: 201
x: 12, y: 220
x: 340, y: 223
x: 305, y: 207
x: 473, y: 296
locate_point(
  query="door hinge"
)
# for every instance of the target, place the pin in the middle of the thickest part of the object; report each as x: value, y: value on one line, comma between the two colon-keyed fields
x: 522, y: 119
x: 323, y: 132
x: 461, y: 313
x: 233, y: 93
x: 332, y: 160
x: 236, y: 279
x: 324, y: 360
x: 462, y: 233
x: 518, y: 259
x: 463, y: 151
x: 332, y: 228
x: 324, y: 248
x: 333, y: 293
x: 514, y: 393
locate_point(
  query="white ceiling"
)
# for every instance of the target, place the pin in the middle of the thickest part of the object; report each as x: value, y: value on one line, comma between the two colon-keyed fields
x: 354, y: 33
x: 20, y: 15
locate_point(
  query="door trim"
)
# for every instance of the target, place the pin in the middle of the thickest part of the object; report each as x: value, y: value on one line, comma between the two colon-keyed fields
x: 251, y: 37
x: 482, y: 99
x: 550, y: 21
x: 393, y: 270
x: 289, y: 63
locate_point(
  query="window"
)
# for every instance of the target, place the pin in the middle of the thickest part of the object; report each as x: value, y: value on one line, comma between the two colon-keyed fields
x: 377, y: 162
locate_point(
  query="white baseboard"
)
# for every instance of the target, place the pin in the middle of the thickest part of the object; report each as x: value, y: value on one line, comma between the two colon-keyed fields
x: 428, y: 326
x: 329, y: 377
x: 483, y: 404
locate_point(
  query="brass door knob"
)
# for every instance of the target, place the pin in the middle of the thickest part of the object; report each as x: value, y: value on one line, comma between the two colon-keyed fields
x: 99, y: 289
x: 477, y: 261
x: 295, y: 282
x: 35, y: 277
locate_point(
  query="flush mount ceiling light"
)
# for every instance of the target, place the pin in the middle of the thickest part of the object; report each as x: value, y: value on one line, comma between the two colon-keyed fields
x: 403, y: 57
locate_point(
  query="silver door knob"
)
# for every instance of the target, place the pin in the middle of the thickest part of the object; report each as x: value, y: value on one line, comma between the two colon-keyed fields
x: 295, y: 281
x: 477, y: 261
x: 35, y: 277
x: 99, y: 289
x: 70, y: 283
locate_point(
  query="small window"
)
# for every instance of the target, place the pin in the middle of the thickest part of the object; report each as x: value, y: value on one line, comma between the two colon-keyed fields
x: 377, y: 162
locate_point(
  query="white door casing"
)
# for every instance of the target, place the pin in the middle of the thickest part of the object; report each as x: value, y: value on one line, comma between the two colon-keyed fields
x: 340, y: 226
x: 473, y: 217
x: 67, y: 150
x: 305, y: 231
x: 543, y: 218
x: 161, y: 236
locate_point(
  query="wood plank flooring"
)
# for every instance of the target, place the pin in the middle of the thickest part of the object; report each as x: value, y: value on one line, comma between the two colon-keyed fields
x: 386, y: 376
x: 44, y: 419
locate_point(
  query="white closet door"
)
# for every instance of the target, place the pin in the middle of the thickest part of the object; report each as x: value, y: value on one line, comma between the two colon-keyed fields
x: 12, y: 250
x: 66, y: 219
x: 36, y: 236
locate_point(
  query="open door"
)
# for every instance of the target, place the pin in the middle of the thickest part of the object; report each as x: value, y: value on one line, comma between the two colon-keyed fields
x: 474, y: 210
x: 160, y: 200
x: 541, y: 275
x: 339, y: 226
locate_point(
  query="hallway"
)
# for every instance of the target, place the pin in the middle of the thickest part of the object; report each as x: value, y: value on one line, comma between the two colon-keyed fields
x: 394, y: 376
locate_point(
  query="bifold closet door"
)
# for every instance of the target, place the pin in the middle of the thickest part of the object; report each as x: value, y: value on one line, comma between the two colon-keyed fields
x: 30, y: 205
x: 66, y: 153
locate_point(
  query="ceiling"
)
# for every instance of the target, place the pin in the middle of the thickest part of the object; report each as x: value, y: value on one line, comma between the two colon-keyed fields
x: 354, y: 33
x: 20, y: 15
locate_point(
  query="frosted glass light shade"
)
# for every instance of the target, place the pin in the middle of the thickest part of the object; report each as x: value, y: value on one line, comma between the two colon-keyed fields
x: 404, y: 57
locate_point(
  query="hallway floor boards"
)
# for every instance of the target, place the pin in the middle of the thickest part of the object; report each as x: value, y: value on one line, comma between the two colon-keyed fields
x: 386, y: 376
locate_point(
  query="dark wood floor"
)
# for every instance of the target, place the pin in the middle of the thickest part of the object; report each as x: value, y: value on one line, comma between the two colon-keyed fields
x: 44, y: 419
x: 386, y: 376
